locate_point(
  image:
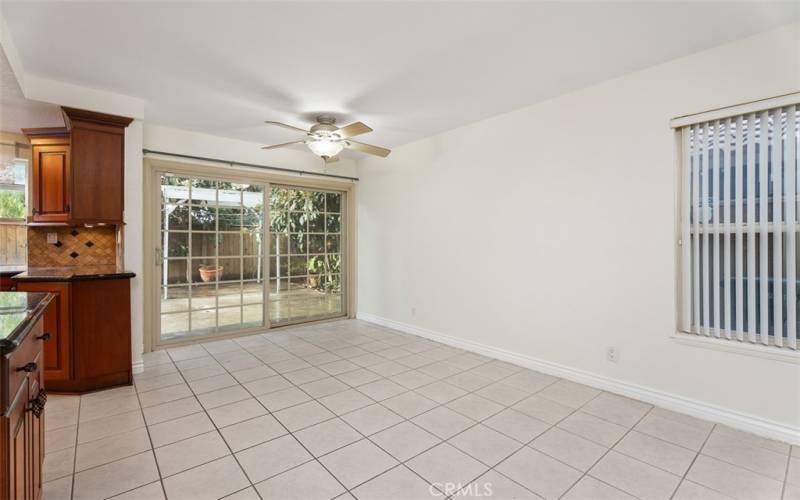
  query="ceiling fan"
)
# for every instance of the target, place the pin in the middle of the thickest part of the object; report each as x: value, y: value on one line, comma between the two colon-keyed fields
x: 327, y: 140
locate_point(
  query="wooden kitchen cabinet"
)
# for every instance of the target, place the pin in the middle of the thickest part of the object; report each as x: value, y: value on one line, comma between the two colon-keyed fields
x: 78, y: 170
x: 56, y: 320
x: 89, y: 322
x: 101, y: 322
x: 25, y: 442
x: 51, y: 175
x: 98, y: 163
x: 22, y: 402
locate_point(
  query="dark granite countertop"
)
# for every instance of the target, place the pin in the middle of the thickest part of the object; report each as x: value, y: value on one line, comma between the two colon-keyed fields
x: 18, y: 313
x: 7, y: 271
x: 76, y: 273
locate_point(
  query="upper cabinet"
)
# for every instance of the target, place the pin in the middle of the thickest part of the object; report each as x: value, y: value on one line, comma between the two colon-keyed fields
x: 50, y: 179
x: 78, y: 171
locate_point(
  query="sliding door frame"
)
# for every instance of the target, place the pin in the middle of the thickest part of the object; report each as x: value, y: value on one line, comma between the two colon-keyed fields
x: 154, y: 168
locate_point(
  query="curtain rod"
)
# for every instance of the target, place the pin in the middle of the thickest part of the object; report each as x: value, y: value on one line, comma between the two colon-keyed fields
x: 252, y: 165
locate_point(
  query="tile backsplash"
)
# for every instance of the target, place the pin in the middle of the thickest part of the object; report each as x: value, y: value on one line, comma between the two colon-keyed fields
x: 76, y: 246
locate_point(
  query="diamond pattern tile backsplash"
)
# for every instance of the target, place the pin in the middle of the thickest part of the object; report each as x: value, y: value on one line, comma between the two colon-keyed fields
x: 80, y: 246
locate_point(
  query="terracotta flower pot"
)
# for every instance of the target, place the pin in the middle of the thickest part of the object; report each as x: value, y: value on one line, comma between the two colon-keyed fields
x: 210, y: 273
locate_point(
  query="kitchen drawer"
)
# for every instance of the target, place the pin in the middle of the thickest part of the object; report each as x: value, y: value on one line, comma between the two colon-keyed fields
x: 28, y: 352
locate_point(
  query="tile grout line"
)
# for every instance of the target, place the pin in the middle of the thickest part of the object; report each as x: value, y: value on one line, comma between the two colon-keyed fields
x: 216, y: 429
x: 150, y: 438
x: 152, y: 450
x: 610, y: 448
x: 348, y: 490
x: 691, y: 464
x: 443, y: 360
x: 528, y: 443
x: 75, y: 456
x: 489, y: 360
x: 279, y: 422
x: 438, y: 405
x: 786, y: 474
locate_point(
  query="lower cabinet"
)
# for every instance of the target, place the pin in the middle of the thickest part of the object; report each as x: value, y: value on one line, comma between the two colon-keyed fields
x: 101, y: 333
x: 21, y: 428
x: 89, y: 326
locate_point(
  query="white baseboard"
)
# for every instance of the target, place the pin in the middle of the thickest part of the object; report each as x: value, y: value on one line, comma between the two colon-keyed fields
x: 699, y: 409
x: 137, y: 367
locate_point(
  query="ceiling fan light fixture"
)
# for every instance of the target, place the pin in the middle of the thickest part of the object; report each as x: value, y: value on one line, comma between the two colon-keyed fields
x: 325, y: 146
x: 327, y: 140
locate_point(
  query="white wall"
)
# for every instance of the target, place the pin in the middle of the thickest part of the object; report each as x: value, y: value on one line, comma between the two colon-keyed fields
x: 549, y: 232
x: 134, y: 233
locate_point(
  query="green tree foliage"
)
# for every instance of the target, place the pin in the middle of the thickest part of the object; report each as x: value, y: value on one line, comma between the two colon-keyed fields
x: 297, y: 212
x: 12, y: 205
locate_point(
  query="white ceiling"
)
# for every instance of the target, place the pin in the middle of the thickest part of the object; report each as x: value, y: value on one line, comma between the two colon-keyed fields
x: 16, y: 112
x: 408, y: 69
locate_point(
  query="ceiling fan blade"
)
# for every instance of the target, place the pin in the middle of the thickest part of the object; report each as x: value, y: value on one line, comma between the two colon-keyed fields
x: 285, y: 125
x: 369, y: 148
x: 353, y: 130
x: 275, y: 146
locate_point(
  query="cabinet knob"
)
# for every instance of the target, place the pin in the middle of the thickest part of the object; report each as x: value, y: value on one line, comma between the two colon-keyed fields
x: 29, y: 367
x: 44, y: 337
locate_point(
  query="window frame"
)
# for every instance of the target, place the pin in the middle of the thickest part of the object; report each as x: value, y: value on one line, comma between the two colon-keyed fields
x: 681, y: 221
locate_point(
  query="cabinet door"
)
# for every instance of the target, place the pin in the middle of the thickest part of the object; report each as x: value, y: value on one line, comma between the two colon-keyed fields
x: 98, y: 163
x: 51, y: 190
x: 19, y: 460
x: 56, y: 322
x: 101, y: 322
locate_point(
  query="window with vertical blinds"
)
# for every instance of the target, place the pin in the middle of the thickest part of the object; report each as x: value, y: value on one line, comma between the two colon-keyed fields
x: 739, y: 229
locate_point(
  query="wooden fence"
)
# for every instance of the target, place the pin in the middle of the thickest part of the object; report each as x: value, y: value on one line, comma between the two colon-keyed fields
x: 13, y: 244
x: 229, y: 248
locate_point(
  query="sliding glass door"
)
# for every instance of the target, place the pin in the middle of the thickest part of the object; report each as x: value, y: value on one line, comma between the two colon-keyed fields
x: 242, y: 257
x: 213, y: 245
x: 305, y: 254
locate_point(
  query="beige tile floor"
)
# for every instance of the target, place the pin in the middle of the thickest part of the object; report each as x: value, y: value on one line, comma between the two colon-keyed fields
x: 352, y: 410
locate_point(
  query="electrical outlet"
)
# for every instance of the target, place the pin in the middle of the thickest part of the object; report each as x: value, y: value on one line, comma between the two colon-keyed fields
x: 413, y: 311
x: 52, y: 238
x: 612, y: 354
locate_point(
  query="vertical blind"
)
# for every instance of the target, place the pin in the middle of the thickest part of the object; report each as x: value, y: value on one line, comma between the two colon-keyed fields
x: 739, y: 229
